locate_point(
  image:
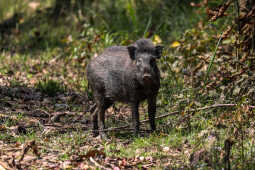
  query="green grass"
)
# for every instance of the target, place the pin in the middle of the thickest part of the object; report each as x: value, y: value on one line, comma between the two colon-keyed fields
x: 50, y: 87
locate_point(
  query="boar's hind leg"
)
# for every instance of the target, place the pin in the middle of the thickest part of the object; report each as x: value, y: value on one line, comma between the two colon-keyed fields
x: 152, y: 112
x: 95, y: 123
x: 105, y: 104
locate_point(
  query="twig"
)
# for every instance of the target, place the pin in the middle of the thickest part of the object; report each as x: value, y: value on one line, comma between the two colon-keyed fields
x: 28, y: 145
x: 56, y: 118
x: 212, y: 59
x: 97, y: 164
x: 174, y: 113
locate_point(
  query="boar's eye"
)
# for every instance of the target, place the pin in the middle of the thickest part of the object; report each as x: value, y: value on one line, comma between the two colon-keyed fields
x: 139, y: 61
x: 152, y: 61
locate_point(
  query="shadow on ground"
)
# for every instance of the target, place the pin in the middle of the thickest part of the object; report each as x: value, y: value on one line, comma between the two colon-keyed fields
x: 23, y: 108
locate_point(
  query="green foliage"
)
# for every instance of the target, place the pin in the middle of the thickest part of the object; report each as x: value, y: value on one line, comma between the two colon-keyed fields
x: 50, y: 87
x: 15, y: 83
x: 8, y: 138
x: 168, y: 19
x: 9, y: 7
x: 164, y: 17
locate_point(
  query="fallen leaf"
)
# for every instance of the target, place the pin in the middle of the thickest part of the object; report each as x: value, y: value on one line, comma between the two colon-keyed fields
x: 175, y: 44
x: 116, y: 168
x: 2, y: 128
x: 93, y: 153
x: 166, y: 149
x: 156, y: 39
x: 34, y: 5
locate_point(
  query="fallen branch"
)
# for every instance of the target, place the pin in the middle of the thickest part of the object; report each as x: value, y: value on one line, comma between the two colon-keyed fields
x: 27, y: 146
x: 56, y: 118
x: 174, y: 113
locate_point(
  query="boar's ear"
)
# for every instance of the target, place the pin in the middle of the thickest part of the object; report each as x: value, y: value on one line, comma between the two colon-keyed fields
x: 158, y: 50
x: 131, y: 51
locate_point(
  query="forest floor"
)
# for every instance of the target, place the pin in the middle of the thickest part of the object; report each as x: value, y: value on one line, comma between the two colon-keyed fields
x: 39, y: 131
x: 45, y: 124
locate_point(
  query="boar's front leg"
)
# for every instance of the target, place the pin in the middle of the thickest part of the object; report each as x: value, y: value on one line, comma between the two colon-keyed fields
x: 152, y: 112
x: 135, y: 118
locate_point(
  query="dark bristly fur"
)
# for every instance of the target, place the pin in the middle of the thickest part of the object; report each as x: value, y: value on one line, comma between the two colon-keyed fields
x: 126, y: 74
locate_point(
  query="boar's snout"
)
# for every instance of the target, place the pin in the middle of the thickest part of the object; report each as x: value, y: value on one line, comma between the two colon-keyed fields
x: 147, y: 76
